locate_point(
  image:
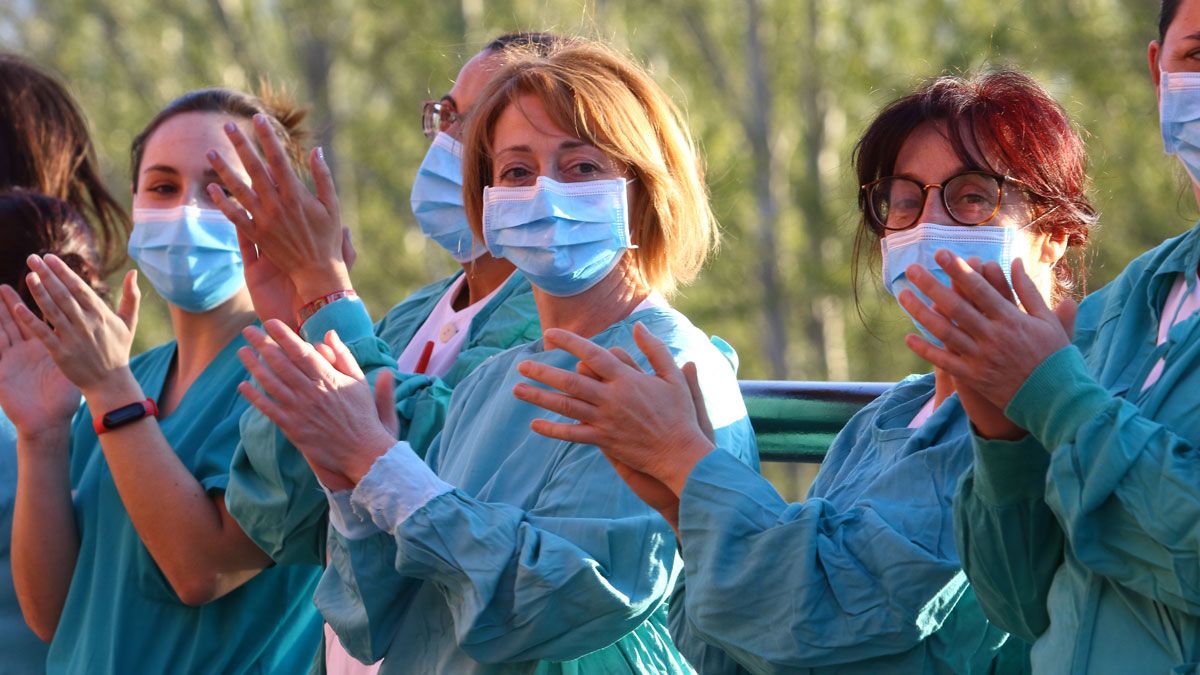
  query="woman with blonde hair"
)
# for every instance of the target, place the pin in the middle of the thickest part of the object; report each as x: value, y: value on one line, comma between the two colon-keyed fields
x: 506, y: 551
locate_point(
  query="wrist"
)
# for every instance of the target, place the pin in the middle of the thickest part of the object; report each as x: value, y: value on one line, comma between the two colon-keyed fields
x: 49, y: 442
x: 370, y: 450
x: 115, y: 389
x: 317, y: 283
x: 682, y: 460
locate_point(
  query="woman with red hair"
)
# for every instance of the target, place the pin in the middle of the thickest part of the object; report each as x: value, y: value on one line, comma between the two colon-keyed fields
x: 863, y: 576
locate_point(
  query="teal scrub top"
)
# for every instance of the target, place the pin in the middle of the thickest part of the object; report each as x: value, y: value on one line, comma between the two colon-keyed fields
x: 541, y: 560
x: 1083, y: 535
x: 23, y: 652
x: 121, y: 614
x: 861, y: 577
x: 272, y: 491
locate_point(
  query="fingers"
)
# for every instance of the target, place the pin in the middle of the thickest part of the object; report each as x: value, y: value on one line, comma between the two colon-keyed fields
x: 972, y: 287
x: 656, y: 352
x: 995, y: 276
x: 326, y: 191
x: 273, y: 369
x: 260, y: 178
x: 566, y: 406
x: 572, y: 384
x: 349, y: 253
x: 693, y: 381
x: 131, y: 300
x: 597, y: 358
x: 343, y: 361
x: 233, y: 210
x: 1029, y: 295
x: 286, y: 181
x: 564, y: 431
x: 937, y: 325
x: 258, y: 399
x: 624, y: 357
x: 31, y: 325
x: 385, y: 401
x: 1066, y: 312
x: 938, y: 358
x: 950, y: 305
x: 58, y: 307
x: 299, y: 352
x: 10, y: 332
x: 10, y: 299
x: 83, y: 294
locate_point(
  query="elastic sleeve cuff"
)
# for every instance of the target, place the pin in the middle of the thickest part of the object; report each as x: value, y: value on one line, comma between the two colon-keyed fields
x: 721, y: 485
x: 347, y: 316
x: 1009, y: 471
x: 344, y: 519
x: 397, y: 485
x: 1059, y: 396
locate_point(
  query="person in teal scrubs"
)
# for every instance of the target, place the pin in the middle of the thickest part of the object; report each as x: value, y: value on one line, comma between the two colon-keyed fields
x: 48, y: 151
x: 1078, y: 522
x: 863, y: 576
x: 124, y: 557
x: 272, y: 493
x: 504, y: 551
x: 30, y: 223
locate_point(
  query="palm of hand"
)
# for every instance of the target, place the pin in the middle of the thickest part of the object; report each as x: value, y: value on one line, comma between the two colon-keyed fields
x: 272, y: 291
x: 33, y: 391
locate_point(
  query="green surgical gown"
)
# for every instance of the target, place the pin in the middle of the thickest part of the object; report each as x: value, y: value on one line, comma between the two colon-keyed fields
x: 1084, y: 535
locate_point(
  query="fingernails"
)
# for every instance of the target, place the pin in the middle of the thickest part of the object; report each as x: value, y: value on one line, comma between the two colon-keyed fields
x: 321, y: 154
x: 260, y: 119
x: 230, y: 127
x: 212, y: 155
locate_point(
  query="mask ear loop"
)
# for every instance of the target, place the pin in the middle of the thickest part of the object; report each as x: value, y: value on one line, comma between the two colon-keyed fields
x: 1033, y: 222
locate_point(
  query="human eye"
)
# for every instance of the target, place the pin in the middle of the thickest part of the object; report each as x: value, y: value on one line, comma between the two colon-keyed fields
x: 515, y: 175
x: 163, y: 189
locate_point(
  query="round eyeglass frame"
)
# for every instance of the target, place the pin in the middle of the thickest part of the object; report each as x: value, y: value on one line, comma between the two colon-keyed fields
x: 439, y: 115
x: 880, y: 225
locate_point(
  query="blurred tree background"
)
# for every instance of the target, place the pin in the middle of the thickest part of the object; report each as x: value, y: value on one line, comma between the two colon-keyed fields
x: 777, y: 92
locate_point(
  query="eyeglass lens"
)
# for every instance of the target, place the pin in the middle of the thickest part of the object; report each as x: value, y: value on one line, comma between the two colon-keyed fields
x: 969, y: 198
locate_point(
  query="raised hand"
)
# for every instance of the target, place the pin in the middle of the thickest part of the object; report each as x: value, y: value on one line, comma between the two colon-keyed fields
x: 320, y: 399
x: 991, y: 345
x: 88, y: 340
x: 35, y: 395
x: 300, y: 232
x: 646, y: 421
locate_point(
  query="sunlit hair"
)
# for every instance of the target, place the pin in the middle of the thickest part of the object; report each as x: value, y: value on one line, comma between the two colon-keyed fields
x: 282, y: 114
x: 45, y: 148
x: 32, y: 223
x: 1001, y: 122
x: 605, y: 99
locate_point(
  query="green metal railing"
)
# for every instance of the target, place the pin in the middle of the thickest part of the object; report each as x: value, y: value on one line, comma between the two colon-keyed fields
x: 796, y: 421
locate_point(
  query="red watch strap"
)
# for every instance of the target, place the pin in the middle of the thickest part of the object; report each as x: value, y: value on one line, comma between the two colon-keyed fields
x: 149, y: 409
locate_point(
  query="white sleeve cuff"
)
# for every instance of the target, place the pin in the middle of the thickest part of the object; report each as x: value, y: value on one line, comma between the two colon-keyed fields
x: 398, y: 484
x: 344, y: 519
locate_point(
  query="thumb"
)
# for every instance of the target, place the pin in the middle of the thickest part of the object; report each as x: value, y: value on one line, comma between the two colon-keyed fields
x: 323, y: 181
x: 131, y: 300
x: 385, y: 401
x: 693, y: 382
x: 1066, y: 313
x: 344, y: 360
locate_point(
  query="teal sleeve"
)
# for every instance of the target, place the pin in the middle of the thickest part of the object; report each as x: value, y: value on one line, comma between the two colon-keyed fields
x: 1123, y: 486
x: 361, y: 596
x: 1008, y: 540
x: 834, y: 587
x: 272, y: 492
x: 587, y: 564
x: 706, y: 658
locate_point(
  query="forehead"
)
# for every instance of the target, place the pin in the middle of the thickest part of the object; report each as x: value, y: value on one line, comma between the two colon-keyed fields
x: 1186, y: 21
x: 525, y: 121
x: 182, y: 140
x: 473, y: 78
x: 929, y: 155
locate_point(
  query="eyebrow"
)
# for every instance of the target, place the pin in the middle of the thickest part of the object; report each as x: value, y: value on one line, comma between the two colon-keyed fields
x: 163, y: 168
x: 1193, y: 36
x: 565, y: 145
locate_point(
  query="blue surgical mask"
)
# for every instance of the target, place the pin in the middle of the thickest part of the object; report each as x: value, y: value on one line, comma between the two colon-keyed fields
x: 917, y: 245
x: 437, y: 200
x: 1179, y: 118
x: 564, y: 237
x: 189, y: 254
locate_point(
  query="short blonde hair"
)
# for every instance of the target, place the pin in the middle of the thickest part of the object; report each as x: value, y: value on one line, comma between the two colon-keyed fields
x: 605, y: 99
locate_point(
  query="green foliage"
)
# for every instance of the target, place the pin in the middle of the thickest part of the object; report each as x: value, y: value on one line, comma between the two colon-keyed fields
x: 364, y: 66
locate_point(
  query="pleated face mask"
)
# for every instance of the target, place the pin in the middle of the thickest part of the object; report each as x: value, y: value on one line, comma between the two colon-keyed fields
x: 564, y: 237
x: 189, y: 254
x: 437, y: 200
x: 917, y: 245
x: 1179, y: 118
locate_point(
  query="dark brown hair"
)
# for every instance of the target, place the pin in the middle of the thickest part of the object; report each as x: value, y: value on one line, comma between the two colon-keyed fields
x: 1166, y: 14
x: 32, y: 223
x: 1002, y: 122
x: 45, y: 147
x: 283, y: 115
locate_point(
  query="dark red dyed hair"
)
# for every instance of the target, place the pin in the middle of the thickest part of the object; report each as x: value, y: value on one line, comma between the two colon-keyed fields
x: 1002, y: 122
